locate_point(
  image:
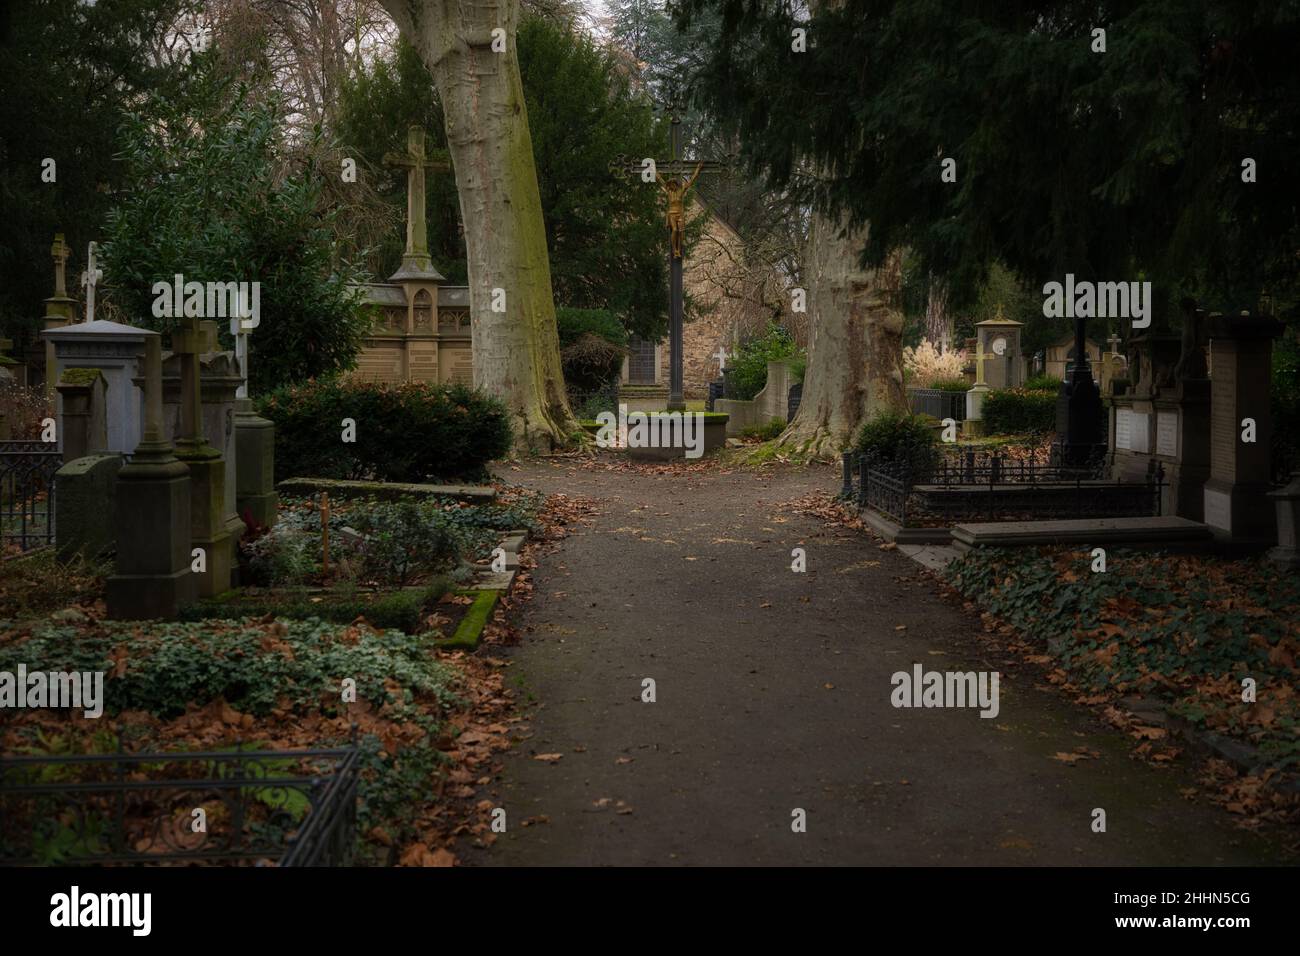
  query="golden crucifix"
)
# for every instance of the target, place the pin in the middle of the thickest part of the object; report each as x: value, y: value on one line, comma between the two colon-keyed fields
x: 675, y: 177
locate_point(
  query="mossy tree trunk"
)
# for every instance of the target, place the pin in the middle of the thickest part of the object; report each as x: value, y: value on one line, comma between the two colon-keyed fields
x: 516, y: 351
x: 855, y: 364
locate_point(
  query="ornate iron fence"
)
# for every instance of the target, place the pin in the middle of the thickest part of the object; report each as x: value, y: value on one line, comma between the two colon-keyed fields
x: 938, y: 403
x: 968, y: 484
x: 27, y: 493
x: 287, y: 808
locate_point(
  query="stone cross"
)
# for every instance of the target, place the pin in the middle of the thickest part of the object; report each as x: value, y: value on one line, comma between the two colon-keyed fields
x: 89, y: 279
x: 1114, y: 343
x: 240, y: 335
x: 191, y: 340
x: 980, y: 356
x: 60, y: 251
x: 721, y: 356
x: 415, y: 163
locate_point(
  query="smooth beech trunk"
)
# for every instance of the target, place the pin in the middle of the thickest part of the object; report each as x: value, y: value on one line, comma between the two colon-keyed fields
x: 855, y: 364
x: 516, y: 352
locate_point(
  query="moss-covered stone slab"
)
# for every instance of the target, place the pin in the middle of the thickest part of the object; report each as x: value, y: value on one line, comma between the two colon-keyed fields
x: 471, y: 625
x: 385, y: 490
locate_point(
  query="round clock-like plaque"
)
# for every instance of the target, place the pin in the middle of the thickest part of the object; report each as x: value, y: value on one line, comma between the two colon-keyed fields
x: 999, y: 345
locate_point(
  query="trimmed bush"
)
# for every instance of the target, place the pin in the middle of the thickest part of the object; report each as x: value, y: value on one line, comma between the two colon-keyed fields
x: 1042, y: 383
x: 1019, y: 411
x: 893, y: 435
x: 413, y: 432
x: 950, y: 385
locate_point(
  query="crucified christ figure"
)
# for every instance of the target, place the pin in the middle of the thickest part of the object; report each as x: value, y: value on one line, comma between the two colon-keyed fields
x: 676, y: 192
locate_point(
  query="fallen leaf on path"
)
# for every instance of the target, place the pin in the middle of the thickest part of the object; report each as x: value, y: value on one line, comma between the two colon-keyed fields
x: 549, y: 758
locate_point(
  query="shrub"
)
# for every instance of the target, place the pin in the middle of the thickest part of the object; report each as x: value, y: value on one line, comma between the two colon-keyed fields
x: 1018, y: 411
x: 402, y: 538
x: 925, y: 365
x: 892, y: 435
x: 572, y: 324
x: 23, y: 408
x: 591, y: 363
x: 748, y: 367
x: 285, y: 556
x: 764, y: 432
x: 411, y: 432
x: 1042, y: 383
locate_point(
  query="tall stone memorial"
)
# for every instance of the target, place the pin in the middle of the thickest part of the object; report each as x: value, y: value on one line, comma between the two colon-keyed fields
x: 255, y: 497
x: 208, y: 506
x: 113, y: 349
x: 152, y: 577
x: 1237, y: 507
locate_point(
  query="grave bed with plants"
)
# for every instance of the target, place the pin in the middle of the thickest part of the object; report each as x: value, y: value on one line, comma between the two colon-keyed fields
x: 1168, y: 636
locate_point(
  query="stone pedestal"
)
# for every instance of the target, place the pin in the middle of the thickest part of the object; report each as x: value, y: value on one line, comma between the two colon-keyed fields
x: 218, y: 382
x: 83, y: 395
x: 1237, y: 506
x: 255, y: 465
x: 1287, y: 501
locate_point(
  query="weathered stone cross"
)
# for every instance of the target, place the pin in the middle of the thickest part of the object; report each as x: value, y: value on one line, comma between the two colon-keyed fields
x: 1114, y: 343
x: 89, y: 279
x: 413, y: 160
x: 60, y: 251
x: 721, y: 356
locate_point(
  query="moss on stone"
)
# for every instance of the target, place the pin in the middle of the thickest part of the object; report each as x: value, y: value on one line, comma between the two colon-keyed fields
x: 80, y: 376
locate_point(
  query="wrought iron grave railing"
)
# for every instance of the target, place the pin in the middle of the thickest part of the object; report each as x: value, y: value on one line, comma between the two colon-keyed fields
x: 27, y: 493
x: 285, y: 808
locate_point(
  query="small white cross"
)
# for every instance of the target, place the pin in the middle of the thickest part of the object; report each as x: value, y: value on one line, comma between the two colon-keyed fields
x: 89, y: 279
x: 1114, y: 344
x: 240, y: 335
x: 721, y: 356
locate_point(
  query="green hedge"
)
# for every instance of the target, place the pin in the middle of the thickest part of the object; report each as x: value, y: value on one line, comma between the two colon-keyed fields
x: 414, y: 432
x: 894, y: 435
x: 572, y: 323
x: 1018, y: 411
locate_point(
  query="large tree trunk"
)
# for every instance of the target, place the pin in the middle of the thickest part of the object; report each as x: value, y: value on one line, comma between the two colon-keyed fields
x: 938, y: 321
x: 855, y: 364
x: 516, y: 352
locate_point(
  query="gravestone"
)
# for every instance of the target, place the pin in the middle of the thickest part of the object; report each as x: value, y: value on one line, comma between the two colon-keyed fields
x: 151, y: 527
x: 113, y: 349
x: 254, y: 454
x: 1287, y: 501
x: 208, y: 506
x: 998, y: 339
x: 85, y: 506
x: 1236, y: 504
x: 83, y: 395
x: 219, y: 382
x: 1163, y: 417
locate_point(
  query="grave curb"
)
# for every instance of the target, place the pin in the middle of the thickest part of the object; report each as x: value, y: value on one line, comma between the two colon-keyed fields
x: 893, y: 531
x: 1242, y: 756
x: 471, y: 626
x: 385, y: 490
